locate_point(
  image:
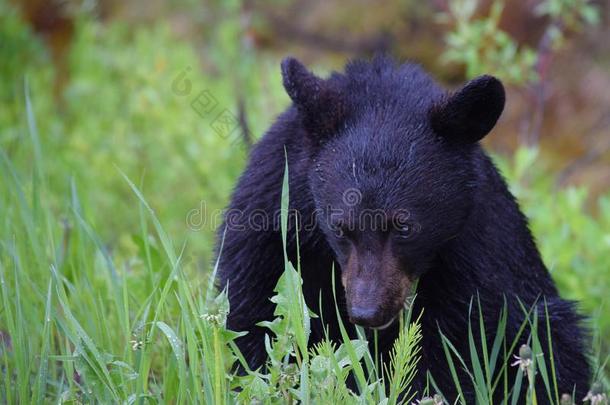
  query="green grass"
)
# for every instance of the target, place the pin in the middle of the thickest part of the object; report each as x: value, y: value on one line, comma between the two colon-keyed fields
x: 79, y: 327
x: 105, y: 291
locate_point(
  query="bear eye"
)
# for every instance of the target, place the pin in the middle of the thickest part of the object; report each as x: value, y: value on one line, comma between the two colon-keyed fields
x: 404, y: 231
x: 339, y: 230
x: 403, y: 228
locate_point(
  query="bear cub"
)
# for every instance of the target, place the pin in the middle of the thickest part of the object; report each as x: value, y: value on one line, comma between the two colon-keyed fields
x: 390, y: 185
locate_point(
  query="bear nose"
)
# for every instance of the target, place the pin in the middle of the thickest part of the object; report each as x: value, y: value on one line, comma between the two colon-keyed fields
x: 364, y: 316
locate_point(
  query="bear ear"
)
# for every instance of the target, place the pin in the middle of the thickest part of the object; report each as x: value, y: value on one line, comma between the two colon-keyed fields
x: 318, y: 100
x: 302, y: 86
x: 469, y: 114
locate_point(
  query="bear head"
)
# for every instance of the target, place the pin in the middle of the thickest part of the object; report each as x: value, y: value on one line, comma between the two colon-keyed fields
x: 392, y: 172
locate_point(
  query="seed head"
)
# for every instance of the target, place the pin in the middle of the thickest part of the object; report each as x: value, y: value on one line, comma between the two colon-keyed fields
x: 524, y: 359
x: 596, y: 395
x: 436, y: 400
x: 566, y: 399
x: 525, y: 352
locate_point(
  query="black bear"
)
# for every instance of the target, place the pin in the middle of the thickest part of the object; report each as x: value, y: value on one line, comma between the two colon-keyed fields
x: 391, y: 185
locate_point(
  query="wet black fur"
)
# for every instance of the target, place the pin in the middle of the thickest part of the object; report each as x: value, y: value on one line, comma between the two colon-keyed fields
x: 392, y: 133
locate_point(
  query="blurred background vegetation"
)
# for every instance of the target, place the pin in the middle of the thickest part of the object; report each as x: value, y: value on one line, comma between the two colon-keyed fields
x: 174, y: 93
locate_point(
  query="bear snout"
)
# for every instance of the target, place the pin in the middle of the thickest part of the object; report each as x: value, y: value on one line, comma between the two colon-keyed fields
x: 370, y: 303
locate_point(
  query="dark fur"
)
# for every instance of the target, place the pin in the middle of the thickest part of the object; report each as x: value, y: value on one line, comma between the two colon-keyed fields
x: 393, y: 134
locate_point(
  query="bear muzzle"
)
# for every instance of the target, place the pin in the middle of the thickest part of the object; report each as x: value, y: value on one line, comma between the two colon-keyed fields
x: 376, y: 290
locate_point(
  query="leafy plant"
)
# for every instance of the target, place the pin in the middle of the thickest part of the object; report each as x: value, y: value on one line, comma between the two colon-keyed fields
x: 481, y: 46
